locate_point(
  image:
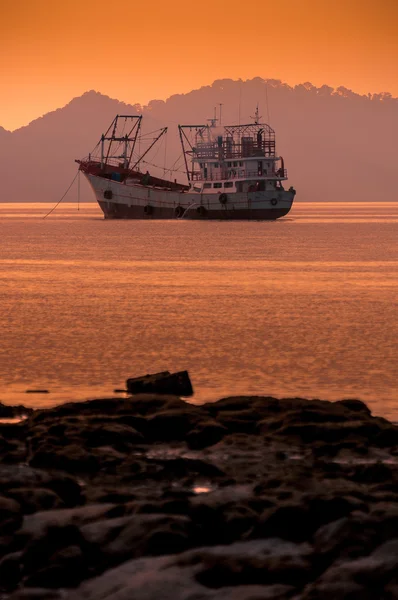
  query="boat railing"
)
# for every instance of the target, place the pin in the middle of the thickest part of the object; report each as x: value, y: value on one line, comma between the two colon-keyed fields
x: 238, y: 174
x: 110, y: 162
x: 249, y: 149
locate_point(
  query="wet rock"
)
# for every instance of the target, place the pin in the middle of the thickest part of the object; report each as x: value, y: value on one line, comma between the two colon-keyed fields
x: 14, y: 412
x: 10, y: 515
x: 33, y: 500
x: 262, y: 405
x: 66, y: 567
x: 177, y: 384
x: 241, y: 422
x: 171, y: 425
x: 118, y: 435
x: 188, y: 468
x: 10, y: 571
x: 139, y: 535
x: 346, y: 537
x: 188, y: 575
x: 386, y: 517
x: 373, y: 473
x: 73, y: 459
x: 206, y: 433
x: 238, y: 521
x: 35, y: 526
x: 37, y: 594
x: 217, y: 572
x: 289, y: 522
x: 337, y: 590
x: 367, y: 576
x: 298, y: 521
x: 48, y: 558
x: 355, y: 406
x: 12, y: 451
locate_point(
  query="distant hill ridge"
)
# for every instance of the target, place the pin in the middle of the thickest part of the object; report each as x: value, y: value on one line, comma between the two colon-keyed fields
x: 337, y: 145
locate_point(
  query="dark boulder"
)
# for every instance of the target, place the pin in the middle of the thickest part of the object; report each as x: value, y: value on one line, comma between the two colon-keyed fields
x: 139, y: 535
x: 355, y: 406
x: 206, y: 433
x: 10, y: 515
x: 36, y: 499
x: 66, y: 567
x: 25, y: 477
x: 350, y: 536
x: 117, y: 435
x: 174, y: 384
x: 373, y: 473
x: 171, y: 425
x: 10, y: 571
x: 72, y: 458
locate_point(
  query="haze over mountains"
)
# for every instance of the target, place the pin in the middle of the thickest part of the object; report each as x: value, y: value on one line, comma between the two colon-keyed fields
x: 337, y: 145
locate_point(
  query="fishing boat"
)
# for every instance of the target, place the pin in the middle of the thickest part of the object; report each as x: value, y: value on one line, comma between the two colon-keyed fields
x: 232, y: 173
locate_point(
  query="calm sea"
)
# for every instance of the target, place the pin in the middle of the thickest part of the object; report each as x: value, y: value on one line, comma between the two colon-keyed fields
x: 304, y: 306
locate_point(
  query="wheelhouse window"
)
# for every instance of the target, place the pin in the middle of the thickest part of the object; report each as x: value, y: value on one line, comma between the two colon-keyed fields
x: 207, y: 186
x: 217, y: 185
x: 229, y: 184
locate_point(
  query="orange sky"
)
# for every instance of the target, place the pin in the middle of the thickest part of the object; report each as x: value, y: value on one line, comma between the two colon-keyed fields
x: 54, y: 50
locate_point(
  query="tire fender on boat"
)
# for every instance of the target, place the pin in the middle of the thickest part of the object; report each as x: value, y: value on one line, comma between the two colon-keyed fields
x: 201, y: 210
x: 108, y: 195
x: 179, y: 211
x: 223, y: 198
x: 274, y: 201
x: 148, y: 209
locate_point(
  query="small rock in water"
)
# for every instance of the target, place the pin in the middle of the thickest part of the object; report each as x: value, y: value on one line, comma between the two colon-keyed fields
x: 174, y: 384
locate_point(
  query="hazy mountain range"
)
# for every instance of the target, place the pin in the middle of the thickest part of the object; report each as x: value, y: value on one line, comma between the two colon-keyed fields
x: 337, y: 145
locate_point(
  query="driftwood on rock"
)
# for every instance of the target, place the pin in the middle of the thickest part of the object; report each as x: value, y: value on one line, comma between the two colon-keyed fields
x: 173, y: 384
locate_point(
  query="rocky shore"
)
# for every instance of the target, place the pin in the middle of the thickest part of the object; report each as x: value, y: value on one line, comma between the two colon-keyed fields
x: 152, y: 498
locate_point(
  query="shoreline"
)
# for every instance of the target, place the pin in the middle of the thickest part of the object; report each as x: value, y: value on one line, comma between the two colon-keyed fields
x: 248, y: 497
x: 52, y: 396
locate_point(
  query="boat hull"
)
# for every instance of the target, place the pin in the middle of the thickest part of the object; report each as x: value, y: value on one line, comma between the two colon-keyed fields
x: 114, y: 210
x: 123, y: 201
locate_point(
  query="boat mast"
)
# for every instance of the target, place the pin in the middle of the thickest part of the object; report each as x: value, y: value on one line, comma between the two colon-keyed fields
x: 137, y: 125
x: 182, y: 133
x: 128, y: 137
x: 190, y: 149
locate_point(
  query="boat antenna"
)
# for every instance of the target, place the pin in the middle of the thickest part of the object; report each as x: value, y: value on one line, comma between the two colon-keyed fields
x: 256, y: 116
x: 220, y: 112
x: 240, y: 100
x: 266, y: 101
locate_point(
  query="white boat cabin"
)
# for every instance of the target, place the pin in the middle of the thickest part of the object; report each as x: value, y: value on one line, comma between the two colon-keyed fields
x: 236, y: 158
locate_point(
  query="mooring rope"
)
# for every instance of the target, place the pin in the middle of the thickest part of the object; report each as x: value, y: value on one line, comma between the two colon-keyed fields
x: 59, y: 201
